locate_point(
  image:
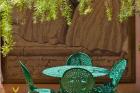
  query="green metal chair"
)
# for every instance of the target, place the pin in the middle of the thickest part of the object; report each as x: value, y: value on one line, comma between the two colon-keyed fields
x: 115, y: 74
x: 79, y: 58
x: 31, y: 87
x: 77, y: 80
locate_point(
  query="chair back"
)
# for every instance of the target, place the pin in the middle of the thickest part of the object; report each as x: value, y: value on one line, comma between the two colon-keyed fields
x: 77, y: 80
x: 79, y: 58
x: 117, y: 71
x: 28, y: 77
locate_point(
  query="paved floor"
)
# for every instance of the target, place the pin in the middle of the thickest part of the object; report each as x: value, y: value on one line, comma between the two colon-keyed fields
x: 122, y: 88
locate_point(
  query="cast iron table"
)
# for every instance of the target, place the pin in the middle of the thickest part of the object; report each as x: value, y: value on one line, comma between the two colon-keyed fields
x: 59, y: 70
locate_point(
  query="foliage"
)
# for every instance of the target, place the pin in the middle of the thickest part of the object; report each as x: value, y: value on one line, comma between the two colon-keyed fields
x: 51, y: 8
x: 6, y: 27
x: 108, y: 9
x: 46, y: 10
x: 66, y: 10
x: 126, y: 10
x: 137, y: 6
x: 85, y: 6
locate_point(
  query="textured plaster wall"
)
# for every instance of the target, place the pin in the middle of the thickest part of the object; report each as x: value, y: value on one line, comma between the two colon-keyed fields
x: 137, y: 52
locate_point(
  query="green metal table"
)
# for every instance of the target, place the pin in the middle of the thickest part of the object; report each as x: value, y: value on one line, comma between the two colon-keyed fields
x: 59, y: 70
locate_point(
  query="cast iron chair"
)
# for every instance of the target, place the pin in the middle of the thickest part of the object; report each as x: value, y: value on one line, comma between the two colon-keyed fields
x: 77, y: 80
x: 79, y: 58
x: 115, y: 74
x: 31, y: 87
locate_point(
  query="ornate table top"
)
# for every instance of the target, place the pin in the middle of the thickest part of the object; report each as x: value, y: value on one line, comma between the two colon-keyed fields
x: 59, y: 70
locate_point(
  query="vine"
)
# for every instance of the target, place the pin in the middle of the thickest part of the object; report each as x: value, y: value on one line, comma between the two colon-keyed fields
x: 137, y: 6
x: 85, y: 6
x: 108, y: 9
x: 66, y: 11
x: 40, y: 8
x: 126, y: 10
x: 6, y: 27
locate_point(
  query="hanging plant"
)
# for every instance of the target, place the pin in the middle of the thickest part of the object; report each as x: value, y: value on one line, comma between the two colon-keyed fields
x: 126, y: 10
x: 108, y: 9
x: 40, y: 9
x: 66, y: 10
x: 53, y: 11
x: 48, y: 10
x: 85, y: 6
x: 6, y: 27
x: 137, y: 6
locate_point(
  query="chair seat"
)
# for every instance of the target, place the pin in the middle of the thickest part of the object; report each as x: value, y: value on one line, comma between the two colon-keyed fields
x: 43, y: 90
x: 31, y: 87
x: 105, y: 88
x: 115, y: 74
